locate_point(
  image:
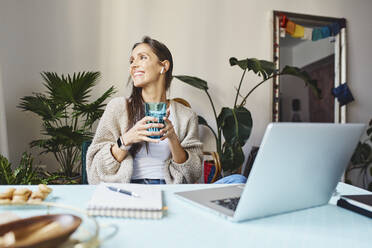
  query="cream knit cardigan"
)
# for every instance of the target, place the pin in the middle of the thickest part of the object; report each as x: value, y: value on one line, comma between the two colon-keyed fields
x: 103, y: 167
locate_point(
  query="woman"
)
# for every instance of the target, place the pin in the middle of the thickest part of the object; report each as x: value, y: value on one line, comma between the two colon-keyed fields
x: 122, y: 150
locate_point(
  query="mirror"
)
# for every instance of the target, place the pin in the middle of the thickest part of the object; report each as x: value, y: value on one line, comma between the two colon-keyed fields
x: 320, y: 54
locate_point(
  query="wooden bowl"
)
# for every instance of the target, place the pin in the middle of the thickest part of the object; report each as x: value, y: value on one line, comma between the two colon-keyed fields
x: 41, y: 231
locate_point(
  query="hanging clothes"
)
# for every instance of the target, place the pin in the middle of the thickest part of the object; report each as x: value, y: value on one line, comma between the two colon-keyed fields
x: 325, y: 32
x: 317, y: 34
x: 299, y: 31
x: 290, y: 28
x: 308, y: 34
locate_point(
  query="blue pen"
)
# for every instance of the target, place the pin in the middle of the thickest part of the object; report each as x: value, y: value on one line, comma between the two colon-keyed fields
x: 122, y: 191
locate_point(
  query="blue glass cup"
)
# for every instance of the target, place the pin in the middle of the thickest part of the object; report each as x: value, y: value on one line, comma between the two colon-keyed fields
x: 158, y: 110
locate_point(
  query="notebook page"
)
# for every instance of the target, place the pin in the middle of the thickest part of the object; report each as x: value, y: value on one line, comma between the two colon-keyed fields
x: 150, y: 197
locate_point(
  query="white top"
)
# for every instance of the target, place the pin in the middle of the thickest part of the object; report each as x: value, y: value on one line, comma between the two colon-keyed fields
x: 150, y: 163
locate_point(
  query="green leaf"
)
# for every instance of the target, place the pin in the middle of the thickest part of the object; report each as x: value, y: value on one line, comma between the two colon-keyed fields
x: 369, y: 131
x: 361, y: 154
x: 66, y: 136
x: 232, y: 156
x: 202, y: 121
x: 262, y: 68
x: 236, y: 124
x: 193, y: 81
x: 6, y: 174
x: 42, y: 106
x: 294, y: 71
x: 24, y: 173
x: 94, y: 110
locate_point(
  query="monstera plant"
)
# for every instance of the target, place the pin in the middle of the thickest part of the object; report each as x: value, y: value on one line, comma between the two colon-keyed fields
x: 362, y: 160
x: 67, y: 115
x: 235, y: 123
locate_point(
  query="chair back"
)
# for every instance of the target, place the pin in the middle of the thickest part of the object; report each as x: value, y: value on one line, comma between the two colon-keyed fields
x: 84, y: 149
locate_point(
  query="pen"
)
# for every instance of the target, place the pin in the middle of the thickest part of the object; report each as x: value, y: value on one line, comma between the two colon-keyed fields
x: 123, y: 191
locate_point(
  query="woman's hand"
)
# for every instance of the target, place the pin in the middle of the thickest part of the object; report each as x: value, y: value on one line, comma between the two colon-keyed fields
x: 179, y: 155
x: 139, y: 133
x: 168, y: 130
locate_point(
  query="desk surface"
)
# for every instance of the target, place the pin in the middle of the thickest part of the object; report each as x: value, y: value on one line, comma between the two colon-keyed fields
x: 188, y: 226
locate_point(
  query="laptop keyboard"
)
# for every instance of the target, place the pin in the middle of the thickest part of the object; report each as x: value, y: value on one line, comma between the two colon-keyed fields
x: 230, y: 203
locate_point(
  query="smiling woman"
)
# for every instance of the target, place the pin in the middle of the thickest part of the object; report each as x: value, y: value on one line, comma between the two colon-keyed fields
x: 123, y: 149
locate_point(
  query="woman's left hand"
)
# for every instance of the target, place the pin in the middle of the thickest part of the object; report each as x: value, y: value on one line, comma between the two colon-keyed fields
x: 168, y: 130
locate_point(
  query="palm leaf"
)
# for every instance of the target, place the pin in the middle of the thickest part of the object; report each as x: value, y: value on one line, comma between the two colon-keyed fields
x: 81, y: 85
x: 39, y: 104
x: 94, y: 110
x: 58, y: 89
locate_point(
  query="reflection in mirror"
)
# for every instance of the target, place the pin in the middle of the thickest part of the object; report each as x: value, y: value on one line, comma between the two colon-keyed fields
x: 322, y: 55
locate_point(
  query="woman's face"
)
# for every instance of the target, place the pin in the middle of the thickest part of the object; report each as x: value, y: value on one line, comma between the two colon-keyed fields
x: 145, y: 66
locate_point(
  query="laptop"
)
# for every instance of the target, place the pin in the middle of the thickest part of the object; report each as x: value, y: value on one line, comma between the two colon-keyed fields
x: 297, y: 166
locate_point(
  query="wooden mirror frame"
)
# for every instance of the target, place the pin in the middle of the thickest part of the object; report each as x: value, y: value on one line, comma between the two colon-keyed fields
x: 340, y: 69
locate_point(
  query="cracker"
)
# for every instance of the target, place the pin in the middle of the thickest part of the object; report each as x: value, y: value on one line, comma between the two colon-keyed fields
x: 22, y: 191
x: 19, y: 199
x: 44, y: 189
x: 5, y: 201
x: 35, y: 200
x: 37, y: 195
x: 7, y: 194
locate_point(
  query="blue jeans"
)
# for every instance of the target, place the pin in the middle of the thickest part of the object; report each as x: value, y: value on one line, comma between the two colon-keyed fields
x: 148, y: 181
x: 235, y: 178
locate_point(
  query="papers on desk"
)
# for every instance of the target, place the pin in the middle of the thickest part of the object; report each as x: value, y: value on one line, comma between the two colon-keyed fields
x: 361, y: 204
x: 105, y: 202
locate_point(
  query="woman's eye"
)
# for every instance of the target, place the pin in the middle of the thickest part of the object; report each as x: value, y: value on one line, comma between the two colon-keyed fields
x: 143, y: 57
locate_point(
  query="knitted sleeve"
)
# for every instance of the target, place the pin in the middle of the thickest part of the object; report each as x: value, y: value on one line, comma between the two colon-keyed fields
x: 101, y: 165
x: 189, y: 171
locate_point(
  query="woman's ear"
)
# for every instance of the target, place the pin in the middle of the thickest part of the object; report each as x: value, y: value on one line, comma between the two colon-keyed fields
x: 166, y: 65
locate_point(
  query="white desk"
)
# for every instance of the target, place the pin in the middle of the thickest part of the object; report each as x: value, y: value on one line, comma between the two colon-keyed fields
x: 188, y: 226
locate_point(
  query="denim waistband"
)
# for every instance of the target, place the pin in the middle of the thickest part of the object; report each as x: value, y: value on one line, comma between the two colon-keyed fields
x: 148, y: 181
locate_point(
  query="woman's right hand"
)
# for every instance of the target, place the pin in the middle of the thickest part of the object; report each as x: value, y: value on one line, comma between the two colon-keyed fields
x: 139, y: 133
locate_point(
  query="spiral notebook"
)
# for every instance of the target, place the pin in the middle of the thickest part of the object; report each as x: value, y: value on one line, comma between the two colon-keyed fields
x: 105, y: 202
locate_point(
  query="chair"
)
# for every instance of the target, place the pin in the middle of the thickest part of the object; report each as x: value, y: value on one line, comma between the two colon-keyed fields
x: 84, y: 149
x: 250, y: 160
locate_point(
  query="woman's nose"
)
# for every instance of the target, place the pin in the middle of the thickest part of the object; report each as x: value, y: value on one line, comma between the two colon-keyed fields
x: 134, y: 63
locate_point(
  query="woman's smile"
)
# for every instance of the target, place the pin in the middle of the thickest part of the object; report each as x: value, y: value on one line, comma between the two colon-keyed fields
x: 138, y: 73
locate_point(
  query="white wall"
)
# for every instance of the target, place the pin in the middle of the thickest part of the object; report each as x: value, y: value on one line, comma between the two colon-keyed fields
x: 67, y: 36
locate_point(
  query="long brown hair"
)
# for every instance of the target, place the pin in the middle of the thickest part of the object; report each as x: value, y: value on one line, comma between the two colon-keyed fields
x: 135, y: 102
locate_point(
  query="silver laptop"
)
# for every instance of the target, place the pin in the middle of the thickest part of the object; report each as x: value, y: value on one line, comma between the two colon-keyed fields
x: 297, y: 166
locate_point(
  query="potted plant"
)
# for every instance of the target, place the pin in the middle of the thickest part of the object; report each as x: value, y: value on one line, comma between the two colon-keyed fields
x: 22, y: 174
x: 67, y: 115
x: 235, y: 123
x: 362, y: 160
